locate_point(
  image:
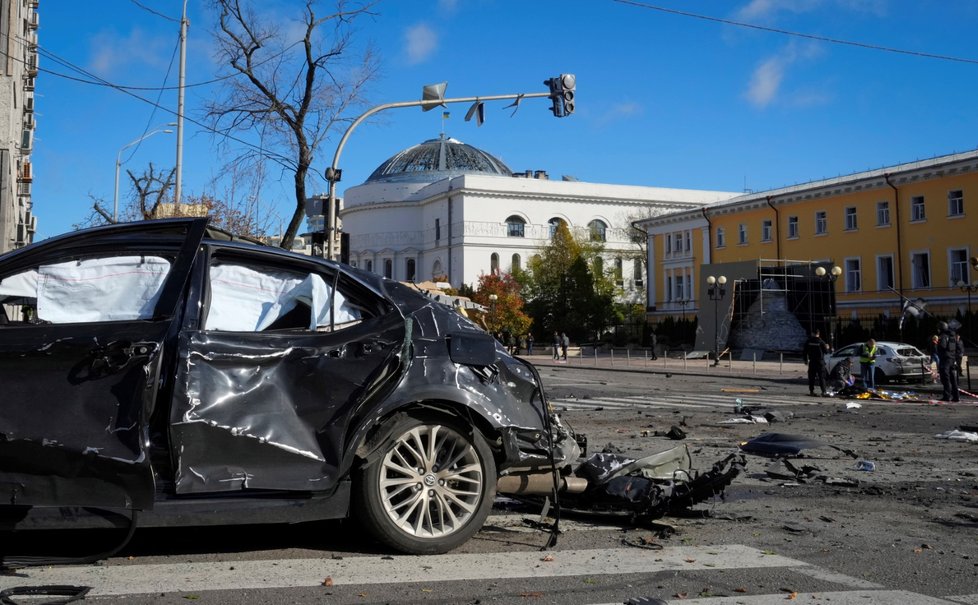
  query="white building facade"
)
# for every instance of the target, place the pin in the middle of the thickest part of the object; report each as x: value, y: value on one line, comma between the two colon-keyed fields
x: 447, y: 211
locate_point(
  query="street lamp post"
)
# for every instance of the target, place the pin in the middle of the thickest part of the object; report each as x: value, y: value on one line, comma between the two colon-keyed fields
x: 491, y: 323
x: 832, y: 275
x: 716, y: 291
x: 968, y: 289
x: 118, y: 165
x: 682, y: 330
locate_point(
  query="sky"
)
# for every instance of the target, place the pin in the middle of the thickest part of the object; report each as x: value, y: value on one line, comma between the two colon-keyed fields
x: 696, y: 94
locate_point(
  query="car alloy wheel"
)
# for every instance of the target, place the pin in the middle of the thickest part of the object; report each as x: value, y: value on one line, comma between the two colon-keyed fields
x: 430, y: 486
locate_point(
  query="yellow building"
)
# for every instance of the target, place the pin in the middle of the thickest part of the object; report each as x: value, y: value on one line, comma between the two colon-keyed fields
x: 897, y: 233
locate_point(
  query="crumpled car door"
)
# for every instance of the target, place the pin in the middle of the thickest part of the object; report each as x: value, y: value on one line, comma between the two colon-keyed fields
x: 77, y: 395
x: 270, y: 410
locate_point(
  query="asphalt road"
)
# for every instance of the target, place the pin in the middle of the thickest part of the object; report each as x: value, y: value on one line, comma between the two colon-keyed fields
x: 904, y: 533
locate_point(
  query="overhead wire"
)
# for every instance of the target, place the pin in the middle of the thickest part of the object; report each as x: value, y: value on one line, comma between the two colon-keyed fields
x: 786, y: 32
x: 280, y: 159
x: 159, y: 97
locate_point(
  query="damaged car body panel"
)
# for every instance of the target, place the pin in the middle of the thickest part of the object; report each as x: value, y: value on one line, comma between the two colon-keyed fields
x: 191, y: 368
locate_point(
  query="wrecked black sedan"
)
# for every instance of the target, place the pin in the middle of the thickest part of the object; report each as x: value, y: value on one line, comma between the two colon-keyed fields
x: 170, y: 369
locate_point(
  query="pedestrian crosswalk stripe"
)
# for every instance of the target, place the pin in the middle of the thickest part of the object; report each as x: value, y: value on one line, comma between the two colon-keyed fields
x: 854, y: 597
x: 155, y: 578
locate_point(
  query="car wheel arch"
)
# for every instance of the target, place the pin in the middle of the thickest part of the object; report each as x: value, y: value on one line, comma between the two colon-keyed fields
x: 383, y: 427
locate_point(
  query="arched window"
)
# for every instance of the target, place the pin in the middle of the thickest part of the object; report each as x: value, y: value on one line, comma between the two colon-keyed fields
x: 494, y: 264
x: 436, y: 270
x: 598, y: 230
x: 619, y: 278
x: 369, y: 265
x: 409, y: 269
x: 515, y: 266
x: 515, y: 226
x: 598, y: 266
x: 554, y: 223
x: 388, y: 268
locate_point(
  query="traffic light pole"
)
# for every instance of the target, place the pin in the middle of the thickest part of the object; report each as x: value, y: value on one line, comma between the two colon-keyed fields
x: 333, y: 173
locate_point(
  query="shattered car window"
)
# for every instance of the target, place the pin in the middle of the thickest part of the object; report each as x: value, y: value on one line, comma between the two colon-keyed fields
x: 249, y: 299
x: 116, y: 288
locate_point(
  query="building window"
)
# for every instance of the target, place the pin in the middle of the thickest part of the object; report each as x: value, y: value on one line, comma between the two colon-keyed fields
x: 678, y: 292
x: 955, y: 202
x: 598, y: 266
x: 437, y: 230
x: 766, y: 231
x: 917, y: 208
x: 884, y: 273
x: 619, y: 272
x: 677, y: 243
x: 688, y: 241
x: 515, y: 226
x: 598, y: 230
x: 920, y: 269
x: 409, y: 269
x: 494, y: 264
x: 742, y: 234
x: 721, y: 242
x: 853, y: 277
x: 958, y: 262
x: 792, y: 227
x: 515, y: 266
x: 554, y: 223
x: 369, y: 266
x: 668, y: 244
x: 882, y: 214
x: 436, y: 270
x: 389, y: 268
x: 851, y: 224
x: 821, y: 223
x: 638, y: 274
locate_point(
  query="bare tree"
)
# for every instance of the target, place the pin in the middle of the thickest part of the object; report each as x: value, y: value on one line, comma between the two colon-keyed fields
x: 292, y: 93
x: 151, y: 190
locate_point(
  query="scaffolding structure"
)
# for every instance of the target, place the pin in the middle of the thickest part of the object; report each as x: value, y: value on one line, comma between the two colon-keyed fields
x: 786, y: 286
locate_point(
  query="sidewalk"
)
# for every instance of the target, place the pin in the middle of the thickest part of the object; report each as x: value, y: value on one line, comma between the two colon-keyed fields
x: 789, y: 370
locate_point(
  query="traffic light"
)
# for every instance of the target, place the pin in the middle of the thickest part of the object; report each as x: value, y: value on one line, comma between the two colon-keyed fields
x: 562, y: 91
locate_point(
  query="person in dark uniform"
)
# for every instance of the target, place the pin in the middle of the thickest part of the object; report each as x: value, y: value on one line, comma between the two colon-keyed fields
x: 947, y: 352
x: 814, y: 353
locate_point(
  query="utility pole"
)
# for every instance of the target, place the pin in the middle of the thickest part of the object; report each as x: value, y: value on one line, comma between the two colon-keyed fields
x: 180, y: 90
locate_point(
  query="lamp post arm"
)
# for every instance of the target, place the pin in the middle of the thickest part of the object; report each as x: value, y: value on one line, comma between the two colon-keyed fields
x: 333, y: 174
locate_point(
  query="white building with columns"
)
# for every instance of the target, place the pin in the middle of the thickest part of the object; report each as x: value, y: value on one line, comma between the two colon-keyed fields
x: 446, y: 210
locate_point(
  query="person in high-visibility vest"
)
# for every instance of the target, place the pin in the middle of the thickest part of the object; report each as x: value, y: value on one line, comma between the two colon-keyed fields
x: 867, y: 364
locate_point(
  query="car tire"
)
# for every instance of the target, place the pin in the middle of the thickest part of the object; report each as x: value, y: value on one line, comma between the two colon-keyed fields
x: 428, y: 487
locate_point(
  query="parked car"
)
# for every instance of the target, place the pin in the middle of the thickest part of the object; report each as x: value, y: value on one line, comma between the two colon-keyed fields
x: 894, y: 361
x: 172, y: 369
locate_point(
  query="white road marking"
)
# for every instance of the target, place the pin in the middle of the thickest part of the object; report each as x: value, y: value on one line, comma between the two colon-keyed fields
x: 132, y: 579
x: 860, y: 597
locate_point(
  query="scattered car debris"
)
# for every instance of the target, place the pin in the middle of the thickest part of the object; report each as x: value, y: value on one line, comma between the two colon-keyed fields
x: 780, y: 444
x: 650, y: 487
x: 866, y: 465
x: 958, y: 435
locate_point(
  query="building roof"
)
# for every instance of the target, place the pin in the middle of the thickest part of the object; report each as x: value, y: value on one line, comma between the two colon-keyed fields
x: 436, y: 159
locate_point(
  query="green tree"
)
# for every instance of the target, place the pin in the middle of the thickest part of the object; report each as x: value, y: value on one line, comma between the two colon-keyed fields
x: 506, y: 311
x: 567, y: 287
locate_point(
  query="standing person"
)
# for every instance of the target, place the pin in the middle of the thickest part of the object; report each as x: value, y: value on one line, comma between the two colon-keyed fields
x: 529, y: 343
x: 556, y: 345
x: 653, y: 340
x: 867, y: 364
x: 947, y: 351
x: 814, y: 355
x: 564, y: 343
x: 935, y: 359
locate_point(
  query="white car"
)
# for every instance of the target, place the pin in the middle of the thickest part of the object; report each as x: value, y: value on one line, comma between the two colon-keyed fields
x: 894, y: 361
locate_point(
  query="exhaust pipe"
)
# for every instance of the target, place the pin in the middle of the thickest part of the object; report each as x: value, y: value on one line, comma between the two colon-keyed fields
x: 539, y: 484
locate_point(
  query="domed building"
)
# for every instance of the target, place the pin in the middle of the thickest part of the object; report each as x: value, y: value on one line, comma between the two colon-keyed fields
x: 448, y: 211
